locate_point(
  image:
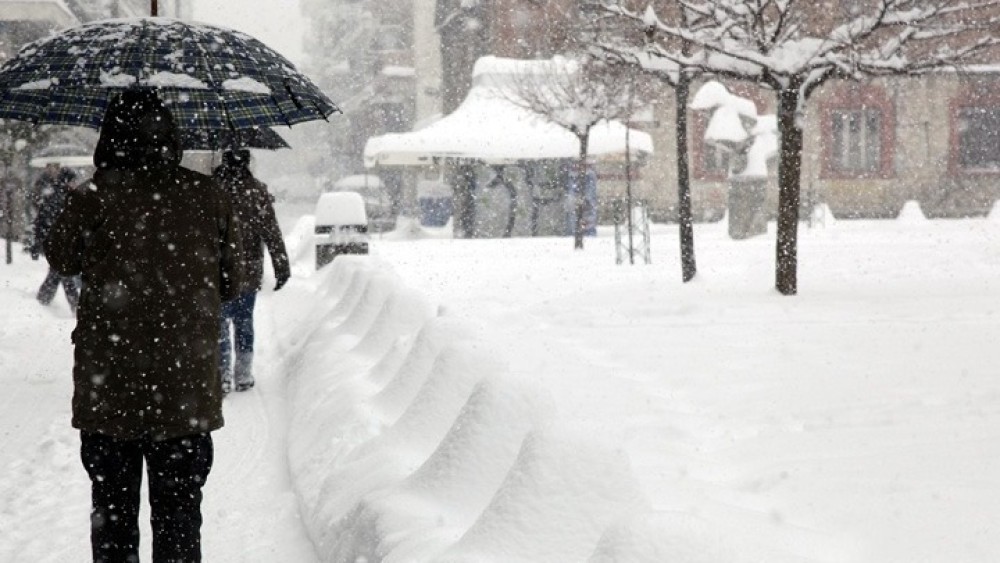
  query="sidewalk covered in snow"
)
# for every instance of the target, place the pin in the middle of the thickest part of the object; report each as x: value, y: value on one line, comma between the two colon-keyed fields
x: 491, y: 128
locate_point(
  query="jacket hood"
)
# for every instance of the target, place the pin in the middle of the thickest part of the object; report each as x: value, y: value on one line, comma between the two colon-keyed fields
x: 138, y: 132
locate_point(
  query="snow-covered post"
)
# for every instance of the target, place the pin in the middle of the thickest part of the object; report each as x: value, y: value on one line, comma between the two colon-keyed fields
x: 750, y: 140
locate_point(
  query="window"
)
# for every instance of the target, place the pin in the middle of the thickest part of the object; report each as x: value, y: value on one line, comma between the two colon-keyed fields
x: 857, y: 144
x: 979, y: 138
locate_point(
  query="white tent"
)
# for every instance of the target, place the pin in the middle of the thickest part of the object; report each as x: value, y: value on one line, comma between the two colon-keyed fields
x: 490, y: 128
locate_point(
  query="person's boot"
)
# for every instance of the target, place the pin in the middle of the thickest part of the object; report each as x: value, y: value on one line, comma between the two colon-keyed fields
x: 227, y: 382
x: 243, y: 371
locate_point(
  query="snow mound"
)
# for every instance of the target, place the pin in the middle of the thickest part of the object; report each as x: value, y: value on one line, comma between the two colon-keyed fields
x: 560, y: 496
x: 433, y: 506
x: 413, y: 441
x: 994, y: 214
x: 911, y: 213
x: 413, y: 371
x: 822, y: 214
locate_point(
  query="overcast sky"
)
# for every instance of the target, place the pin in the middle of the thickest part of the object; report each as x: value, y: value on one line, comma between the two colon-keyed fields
x: 278, y: 23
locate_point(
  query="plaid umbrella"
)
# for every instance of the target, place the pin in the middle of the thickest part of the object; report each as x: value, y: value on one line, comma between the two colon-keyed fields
x: 212, y: 79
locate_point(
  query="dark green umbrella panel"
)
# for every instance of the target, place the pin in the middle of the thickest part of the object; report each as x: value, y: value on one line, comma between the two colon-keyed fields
x: 211, y: 78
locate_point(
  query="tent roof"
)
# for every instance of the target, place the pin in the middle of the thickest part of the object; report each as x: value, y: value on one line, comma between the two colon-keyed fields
x: 488, y: 127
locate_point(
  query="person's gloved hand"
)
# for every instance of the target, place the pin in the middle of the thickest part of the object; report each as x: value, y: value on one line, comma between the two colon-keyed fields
x: 282, y: 275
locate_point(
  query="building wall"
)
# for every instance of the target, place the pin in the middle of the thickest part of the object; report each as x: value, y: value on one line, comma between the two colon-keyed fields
x: 524, y: 29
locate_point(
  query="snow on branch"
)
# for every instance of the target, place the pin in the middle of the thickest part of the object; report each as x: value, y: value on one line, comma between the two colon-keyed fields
x: 789, y: 43
x: 573, y: 94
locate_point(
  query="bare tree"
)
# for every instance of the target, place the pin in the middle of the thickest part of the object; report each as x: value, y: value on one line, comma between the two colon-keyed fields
x: 630, y: 46
x: 575, y: 94
x: 794, y: 46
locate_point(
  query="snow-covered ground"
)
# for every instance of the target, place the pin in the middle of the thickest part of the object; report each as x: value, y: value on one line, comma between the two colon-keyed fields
x: 457, y: 400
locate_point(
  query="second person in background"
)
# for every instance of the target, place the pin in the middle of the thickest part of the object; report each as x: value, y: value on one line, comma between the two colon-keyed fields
x: 254, y: 214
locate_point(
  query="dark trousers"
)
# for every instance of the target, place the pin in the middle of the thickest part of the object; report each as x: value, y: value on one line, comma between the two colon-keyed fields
x: 70, y: 284
x: 239, y: 314
x: 177, y: 470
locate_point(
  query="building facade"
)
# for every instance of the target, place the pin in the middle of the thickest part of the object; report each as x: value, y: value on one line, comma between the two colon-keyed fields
x: 869, y: 146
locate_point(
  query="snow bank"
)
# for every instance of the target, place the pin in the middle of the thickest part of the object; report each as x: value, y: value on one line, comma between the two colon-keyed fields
x: 411, y: 440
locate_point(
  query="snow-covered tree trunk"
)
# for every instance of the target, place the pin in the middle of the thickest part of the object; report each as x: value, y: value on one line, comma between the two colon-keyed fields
x: 789, y: 182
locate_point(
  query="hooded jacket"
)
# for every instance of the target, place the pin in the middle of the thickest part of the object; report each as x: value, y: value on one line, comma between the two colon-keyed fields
x: 158, y: 251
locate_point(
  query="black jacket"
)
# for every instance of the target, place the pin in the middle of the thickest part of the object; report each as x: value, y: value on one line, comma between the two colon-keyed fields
x: 159, y: 251
x: 51, y: 198
x: 257, y: 222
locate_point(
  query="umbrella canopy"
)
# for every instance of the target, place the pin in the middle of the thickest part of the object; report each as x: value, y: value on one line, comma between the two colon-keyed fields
x: 210, y: 78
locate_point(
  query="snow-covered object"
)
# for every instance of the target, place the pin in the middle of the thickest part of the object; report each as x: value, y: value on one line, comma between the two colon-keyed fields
x: 562, y: 492
x: 489, y: 127
x: 912, y: 213
x: 994, y: 214
x: 728, y: 124
x: 340, y: 208
x: 714, y: 94
x: 764, y: 148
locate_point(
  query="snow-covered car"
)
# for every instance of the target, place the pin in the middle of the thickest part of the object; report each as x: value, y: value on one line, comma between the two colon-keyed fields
x: 341, y: 226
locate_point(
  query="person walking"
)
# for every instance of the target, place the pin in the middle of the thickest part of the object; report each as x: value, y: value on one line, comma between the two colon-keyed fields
x: 159, y: 252
x: 51, y: 190
x: 258, y: 228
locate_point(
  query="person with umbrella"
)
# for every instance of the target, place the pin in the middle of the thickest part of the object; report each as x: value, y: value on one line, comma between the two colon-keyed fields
x: 146, y: 344
x: 159, y: 252
x: 258, y: 228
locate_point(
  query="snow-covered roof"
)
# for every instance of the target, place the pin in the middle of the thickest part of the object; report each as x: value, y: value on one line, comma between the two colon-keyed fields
x: 489, y: 127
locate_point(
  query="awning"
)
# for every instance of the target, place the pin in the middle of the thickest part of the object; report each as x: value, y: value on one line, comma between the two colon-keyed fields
x: 490, y: 128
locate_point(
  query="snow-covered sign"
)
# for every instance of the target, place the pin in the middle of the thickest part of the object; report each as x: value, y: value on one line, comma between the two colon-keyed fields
x: 735, y: 122
x: 489, y: 127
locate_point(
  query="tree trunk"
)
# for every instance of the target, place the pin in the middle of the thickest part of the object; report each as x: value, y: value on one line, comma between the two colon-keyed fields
x: 789, y: 180
x: 580, y: 200
x: 684, y: 220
